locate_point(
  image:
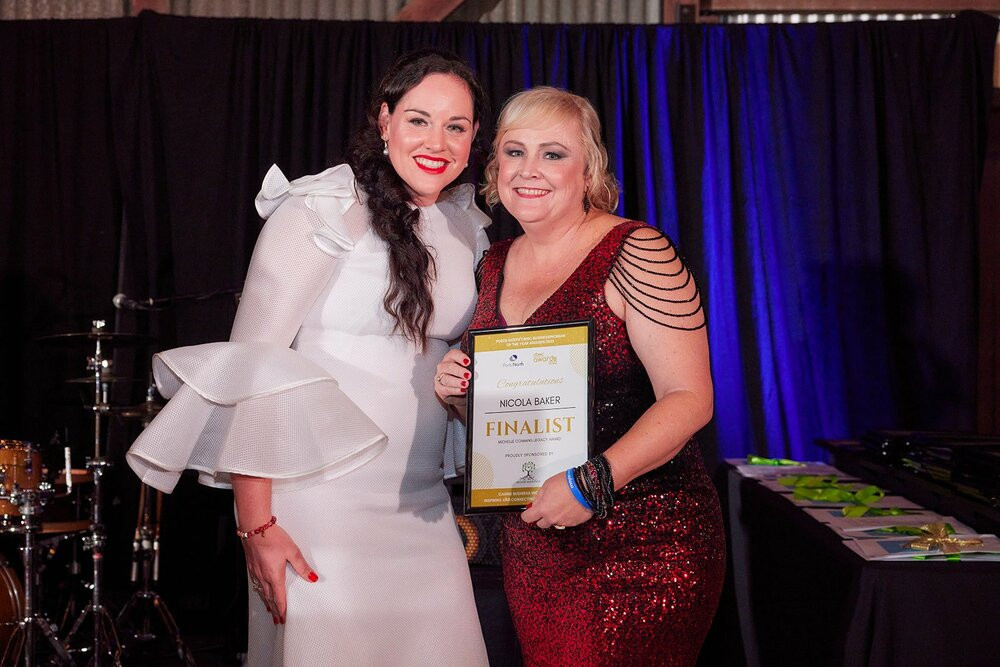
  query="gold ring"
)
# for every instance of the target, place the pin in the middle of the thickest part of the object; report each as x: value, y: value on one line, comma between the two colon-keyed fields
x: 438, y: 378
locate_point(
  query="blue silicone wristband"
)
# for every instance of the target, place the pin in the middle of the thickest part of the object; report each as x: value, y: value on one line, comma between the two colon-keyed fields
x: 576, y: 490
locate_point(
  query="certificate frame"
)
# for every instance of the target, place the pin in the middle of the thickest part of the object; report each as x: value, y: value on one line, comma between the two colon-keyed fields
x: 547, y: 380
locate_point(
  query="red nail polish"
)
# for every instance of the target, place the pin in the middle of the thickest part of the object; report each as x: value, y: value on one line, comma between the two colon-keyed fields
x: 464, y: 383
x: 466, y: 375
x: 465, y: 362
x: 462, y: 389
x: 313, y: 577
x: 275, y: 619
x: 528, y: 506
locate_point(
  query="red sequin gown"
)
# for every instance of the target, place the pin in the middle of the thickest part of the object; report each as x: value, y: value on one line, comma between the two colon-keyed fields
x: 641, y: 586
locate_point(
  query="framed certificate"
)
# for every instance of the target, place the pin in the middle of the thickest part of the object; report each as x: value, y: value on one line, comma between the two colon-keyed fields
x: 529, y: 412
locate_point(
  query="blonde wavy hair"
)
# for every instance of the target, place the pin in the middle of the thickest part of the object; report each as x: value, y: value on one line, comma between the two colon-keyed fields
x: 544, y: 105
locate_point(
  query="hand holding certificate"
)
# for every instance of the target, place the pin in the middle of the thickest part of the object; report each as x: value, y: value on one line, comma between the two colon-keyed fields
x: 529, y: 411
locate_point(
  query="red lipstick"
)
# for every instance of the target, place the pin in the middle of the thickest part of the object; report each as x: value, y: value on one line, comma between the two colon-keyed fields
x: 430, y: 170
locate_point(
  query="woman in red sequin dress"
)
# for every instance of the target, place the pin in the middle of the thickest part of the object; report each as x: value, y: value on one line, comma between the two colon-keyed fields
x: 639, y: 585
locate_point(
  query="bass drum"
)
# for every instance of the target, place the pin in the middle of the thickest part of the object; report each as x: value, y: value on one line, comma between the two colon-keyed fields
x: 11, y: 603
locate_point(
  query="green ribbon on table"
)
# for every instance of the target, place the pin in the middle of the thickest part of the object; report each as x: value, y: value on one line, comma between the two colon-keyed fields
x: 855, y: 511
x: 824, y: 494
x: 837, y: 493
x: 949, y: 557
x: 809, y: 481
x: 755, y: 460
x: 868, y: 495
x: 826, y: 489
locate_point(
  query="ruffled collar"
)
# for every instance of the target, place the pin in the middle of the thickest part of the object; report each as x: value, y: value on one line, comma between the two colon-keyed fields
x: 462, y: 195
x: 336, y: 182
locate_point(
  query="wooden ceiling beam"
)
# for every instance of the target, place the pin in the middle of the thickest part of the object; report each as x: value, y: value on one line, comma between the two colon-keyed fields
x: 427, y: 11
x: 849, y: 6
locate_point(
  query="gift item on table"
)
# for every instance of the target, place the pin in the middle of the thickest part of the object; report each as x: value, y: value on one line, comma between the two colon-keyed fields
x: 789, y: 483
x: 936, y: 542
x: 857, y: 502
x: 834, y: 517
x: 762, y: 471
x: 904, y: 528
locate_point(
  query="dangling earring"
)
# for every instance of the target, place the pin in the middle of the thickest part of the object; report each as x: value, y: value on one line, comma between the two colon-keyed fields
x: 586, y: 204
x: 385, y: 148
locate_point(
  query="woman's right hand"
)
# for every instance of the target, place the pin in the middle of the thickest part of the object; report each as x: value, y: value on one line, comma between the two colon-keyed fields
x: 266, y: 556
x: 451, y: 381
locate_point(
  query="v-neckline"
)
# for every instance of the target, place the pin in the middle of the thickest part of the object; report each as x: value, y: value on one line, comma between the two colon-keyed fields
x: 503, y: 269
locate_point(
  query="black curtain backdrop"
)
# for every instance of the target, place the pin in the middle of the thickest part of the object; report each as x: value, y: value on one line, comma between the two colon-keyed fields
x: 821, y: 180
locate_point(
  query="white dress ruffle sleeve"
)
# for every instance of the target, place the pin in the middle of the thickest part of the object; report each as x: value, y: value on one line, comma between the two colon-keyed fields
x: 252, y: 405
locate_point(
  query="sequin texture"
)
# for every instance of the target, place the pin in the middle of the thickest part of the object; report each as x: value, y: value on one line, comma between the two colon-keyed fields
x: 641, y: 586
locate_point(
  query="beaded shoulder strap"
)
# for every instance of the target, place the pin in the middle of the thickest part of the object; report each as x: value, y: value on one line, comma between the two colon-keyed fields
x: 491, y: 264
x: 479, y: 270
x: 653, y: 279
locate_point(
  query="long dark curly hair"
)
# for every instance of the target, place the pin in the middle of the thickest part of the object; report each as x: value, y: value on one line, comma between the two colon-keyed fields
x: 411, y: 267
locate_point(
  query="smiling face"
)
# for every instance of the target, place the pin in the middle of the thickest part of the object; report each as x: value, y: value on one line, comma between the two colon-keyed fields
x: 429, y: 135
x: 540, y: 174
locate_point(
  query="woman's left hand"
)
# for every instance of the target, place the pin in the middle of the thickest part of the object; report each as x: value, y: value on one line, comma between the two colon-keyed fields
x: 555, y: 505
x: 452, y: 377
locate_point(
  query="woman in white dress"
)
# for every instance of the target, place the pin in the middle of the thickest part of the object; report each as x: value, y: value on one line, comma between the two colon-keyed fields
x: 320, y: 410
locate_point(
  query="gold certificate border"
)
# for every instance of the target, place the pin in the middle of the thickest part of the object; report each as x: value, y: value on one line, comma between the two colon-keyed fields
x: 491, y: 498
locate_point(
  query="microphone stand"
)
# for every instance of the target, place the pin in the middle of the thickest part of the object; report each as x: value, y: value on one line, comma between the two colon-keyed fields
x: 145, y: 599
x: 105, y: 642
x: 123, y: 302
x: 146, y: 563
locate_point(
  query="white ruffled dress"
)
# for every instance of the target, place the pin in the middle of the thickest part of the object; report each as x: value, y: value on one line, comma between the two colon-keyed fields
x: 316, y: 392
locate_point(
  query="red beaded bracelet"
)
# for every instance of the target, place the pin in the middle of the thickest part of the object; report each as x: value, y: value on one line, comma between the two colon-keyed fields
x: 259, y: 530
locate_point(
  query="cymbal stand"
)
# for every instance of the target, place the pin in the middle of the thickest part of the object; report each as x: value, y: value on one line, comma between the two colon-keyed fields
x: 105, y: 638
x: 73, y: 492
x: 146, y: 563
x: 23, y: 640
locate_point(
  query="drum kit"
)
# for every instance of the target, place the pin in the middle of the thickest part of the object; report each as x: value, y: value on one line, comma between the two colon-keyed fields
x: 27, y: 636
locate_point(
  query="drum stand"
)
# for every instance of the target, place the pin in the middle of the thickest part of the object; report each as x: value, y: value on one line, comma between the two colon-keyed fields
x: 105, y: 638
x: 23, y: 639
x: 146, y: 560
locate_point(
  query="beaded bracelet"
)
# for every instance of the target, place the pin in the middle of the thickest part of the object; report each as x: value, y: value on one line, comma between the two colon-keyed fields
x: 605, y: 478
x: 596, y: 484
x: 259, y: 530
x: 588, y: 471
x: 576, y: 490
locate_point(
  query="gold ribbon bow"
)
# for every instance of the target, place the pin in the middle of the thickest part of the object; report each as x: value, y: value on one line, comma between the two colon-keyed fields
x: 938, y: 538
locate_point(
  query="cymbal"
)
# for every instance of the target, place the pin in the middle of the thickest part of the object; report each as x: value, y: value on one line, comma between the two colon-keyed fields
x: 146, y: 410
x: 108, y: 379
x: 77, y: 475
x: 113, y: 337
x: 53, y: 527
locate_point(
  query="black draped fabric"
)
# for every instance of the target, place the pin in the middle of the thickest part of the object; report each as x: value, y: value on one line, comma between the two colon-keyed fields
x: 60, y: 199
x: 821, y: 181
